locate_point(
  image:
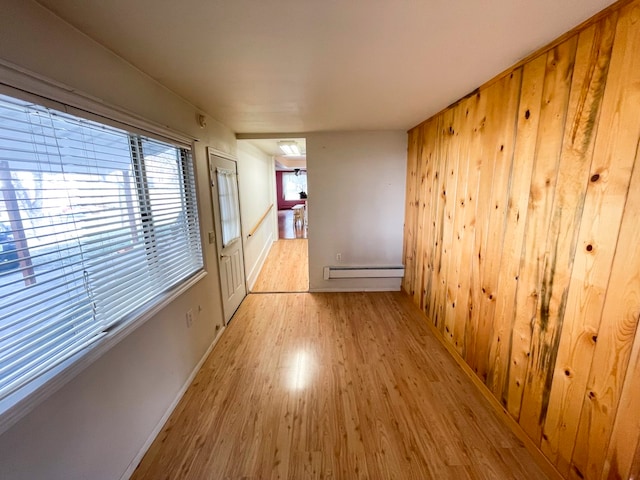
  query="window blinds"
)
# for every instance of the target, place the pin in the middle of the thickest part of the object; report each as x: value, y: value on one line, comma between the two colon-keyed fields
x: 95, y: 222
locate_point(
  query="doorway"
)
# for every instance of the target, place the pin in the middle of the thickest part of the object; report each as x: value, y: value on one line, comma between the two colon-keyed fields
x: 286, y: 266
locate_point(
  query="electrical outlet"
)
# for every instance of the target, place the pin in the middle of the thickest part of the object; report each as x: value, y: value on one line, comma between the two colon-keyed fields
x: 189, y: 318
x: 338, y: 257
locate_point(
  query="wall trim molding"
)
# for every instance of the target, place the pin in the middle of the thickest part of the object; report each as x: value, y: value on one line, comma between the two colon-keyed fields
x: 542, y: 461
x: 257, y: 267
x: 354, y: 289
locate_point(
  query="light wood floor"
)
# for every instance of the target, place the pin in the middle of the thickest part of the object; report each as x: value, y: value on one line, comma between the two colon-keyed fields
x: 342, y: 386
x: 287, y: 228
x: 286, y: 268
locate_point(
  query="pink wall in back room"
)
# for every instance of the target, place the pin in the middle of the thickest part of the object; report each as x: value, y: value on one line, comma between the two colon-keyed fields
x: 282, y: 203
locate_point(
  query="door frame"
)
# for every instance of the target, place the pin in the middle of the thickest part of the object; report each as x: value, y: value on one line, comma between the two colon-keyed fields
x: 213, y: 152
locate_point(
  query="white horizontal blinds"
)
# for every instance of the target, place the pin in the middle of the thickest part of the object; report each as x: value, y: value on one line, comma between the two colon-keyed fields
x: 168, y: 238
x: 172, y: 199
x: 90, y: 216
x: 115, y: 249
x: 46, y: 309
x: 229, y: 211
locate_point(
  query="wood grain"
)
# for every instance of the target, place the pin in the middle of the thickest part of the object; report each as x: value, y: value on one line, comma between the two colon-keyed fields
x: 259, y: 222
x: 458, y: 271
x: 477, y: 116
x: 286, y: 268
x: 587, y: 87
x: 613, y: 347
x: 524, y: 155
x: 410, y: 214
x: 604, y: 204
x: 624, y: 444
x: 533, y: 294
x: 422, y: 183
x: 433, y: 306
x: 429, y: 156
x: 498, y: 151
x: 555, y: 96
x: 485, y: 168
x: 450, y: 147
x: 315, y: 386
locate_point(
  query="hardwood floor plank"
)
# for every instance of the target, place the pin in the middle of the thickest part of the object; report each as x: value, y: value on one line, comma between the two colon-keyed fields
x: 286, y: 268
x: 340, y: 385
x: 288, y: 228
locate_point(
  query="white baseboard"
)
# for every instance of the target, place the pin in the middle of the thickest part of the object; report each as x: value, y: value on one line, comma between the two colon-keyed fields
x: 353, y: 289
x: 257, y: 267
x: 154, y: 433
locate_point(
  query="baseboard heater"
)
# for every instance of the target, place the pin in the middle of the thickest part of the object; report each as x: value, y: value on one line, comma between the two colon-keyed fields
x: 363, y: 272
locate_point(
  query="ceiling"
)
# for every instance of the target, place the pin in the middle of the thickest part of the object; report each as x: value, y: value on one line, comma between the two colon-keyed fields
x: 271, y: 148
x: 323, y: 65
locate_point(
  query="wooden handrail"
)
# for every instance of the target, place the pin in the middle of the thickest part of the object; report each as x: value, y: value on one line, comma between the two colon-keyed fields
x: 254, y: 229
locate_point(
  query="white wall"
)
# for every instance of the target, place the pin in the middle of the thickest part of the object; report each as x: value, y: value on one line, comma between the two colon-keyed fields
x: 256, y: 177
x: 95, y: 425
x: 356, y: 204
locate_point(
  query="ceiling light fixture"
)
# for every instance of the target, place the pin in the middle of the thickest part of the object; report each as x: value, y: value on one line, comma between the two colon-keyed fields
x: 289, y: 147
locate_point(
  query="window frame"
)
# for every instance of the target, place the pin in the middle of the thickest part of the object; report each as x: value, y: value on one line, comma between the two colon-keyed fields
x: 25, y: 86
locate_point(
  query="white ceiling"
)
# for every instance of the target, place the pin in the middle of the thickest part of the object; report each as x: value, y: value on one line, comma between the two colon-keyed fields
x: 289, y: 162
x: 270, y: 145
x: 318, y: 65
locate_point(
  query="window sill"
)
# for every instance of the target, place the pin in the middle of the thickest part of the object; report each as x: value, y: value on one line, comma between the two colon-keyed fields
x: 19, y: 404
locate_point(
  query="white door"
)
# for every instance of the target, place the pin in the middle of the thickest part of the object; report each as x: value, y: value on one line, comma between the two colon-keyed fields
x: 226, y: 212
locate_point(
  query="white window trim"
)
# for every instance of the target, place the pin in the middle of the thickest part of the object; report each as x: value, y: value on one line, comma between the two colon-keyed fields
x: 20, y: 83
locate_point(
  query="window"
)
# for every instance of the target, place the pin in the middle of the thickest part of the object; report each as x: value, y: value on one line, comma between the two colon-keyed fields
x: 95, y: 223
x: 229, y: 211
x: 293, y: 183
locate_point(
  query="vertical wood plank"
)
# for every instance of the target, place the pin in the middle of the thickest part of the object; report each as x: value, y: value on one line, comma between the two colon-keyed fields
x: 410, y: 212
x: 420, y: 206
x: 548, y: 144
x: 439, y: 201
x: 447, y: 190
x: 523, y: 158
x: 635, y: 466
x: 625, y: 436
x: 613, y: 346
x: 618, y: 130
x: 587, y: 88
x: 542, y: 334
x: 484, y: 153
x: 500, y: 148
x: 431, y: 157
x: 451, y: 150
x: 477, y: 113
x: 456, y: 270
x: 435, y: 205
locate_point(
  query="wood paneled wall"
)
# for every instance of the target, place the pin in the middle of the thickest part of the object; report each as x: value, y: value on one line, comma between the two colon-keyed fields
x: 522, y: 236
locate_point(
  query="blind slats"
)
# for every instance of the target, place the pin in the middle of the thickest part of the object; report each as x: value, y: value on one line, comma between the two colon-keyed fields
x: 95, y: 222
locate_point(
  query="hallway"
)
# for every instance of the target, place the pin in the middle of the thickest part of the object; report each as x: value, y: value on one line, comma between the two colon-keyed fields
x: 343, y: 386
x: 286, y: 268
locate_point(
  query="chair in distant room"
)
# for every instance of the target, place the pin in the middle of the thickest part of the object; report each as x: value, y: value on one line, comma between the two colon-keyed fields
x: 298, y: 216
